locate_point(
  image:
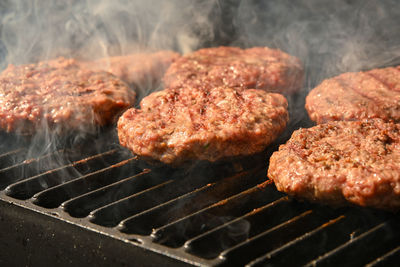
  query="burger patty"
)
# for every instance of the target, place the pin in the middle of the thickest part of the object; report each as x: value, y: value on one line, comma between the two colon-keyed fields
x: 60, y: 96
x: 178, y: 125
x: 259, y: 67
x: 342, y: 162
x: 144, y: 70
x: 355, y: 96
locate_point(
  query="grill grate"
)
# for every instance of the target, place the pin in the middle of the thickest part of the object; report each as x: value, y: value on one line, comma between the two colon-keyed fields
x: 225, y: 215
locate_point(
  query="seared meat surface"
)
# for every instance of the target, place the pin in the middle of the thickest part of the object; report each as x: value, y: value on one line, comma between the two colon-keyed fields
x: 60, y: 96
x: 178, y: 125
x: 259, y: 67
x: 342, y: 162
x: 355, y: 96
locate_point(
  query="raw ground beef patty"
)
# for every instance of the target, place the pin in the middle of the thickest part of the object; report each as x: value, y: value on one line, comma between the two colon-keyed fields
x: 178, y: 125
x: 60, y: 96
x: 342, y: 162
x: 357, y: 95
x: 258, y: 67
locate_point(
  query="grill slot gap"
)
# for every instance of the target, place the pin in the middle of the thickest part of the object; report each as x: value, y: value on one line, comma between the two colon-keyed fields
x: 323, y: 239
x: 28, y: 187
x: 34, y: 166
x: 112, y: 214
x: 184, y: 205
x: 385, y: 234
x: 53, y: 197
x: 12, y: 158
x: 275, y: 237
x: 82, y: 205
x: 175, y: 234
x: 389, y: 259
x: 240, y: 229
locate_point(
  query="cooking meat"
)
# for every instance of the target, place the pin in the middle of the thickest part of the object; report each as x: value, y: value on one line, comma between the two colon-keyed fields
x: 178, y: 125
x: 342, y: 162
x: 144, y: 70
x: 354, y: 96
x: 258, y: 67
x: 59, y: 96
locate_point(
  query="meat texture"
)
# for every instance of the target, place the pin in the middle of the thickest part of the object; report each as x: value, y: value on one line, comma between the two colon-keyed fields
x: 258, y: 67
x: 60, y: 96
x: 143, y: 70
x: 355, y: 96
x: 179, y: 125
x: 342, y: 162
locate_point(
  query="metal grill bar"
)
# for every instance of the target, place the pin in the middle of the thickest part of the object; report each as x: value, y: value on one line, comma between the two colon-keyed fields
x: 324, y: 238
x: 28, y: 168
x: 176, y: 233
x: 135, y: 203
x: 236, y: 231
x: 13, y: 157
x: 82, y: 205
x: 129, y: 206
x: 275, y: 237
x: 389, y: 259
x: 26, y: 188
x: 53, y: 197
x: 364, y: 245
x: 186, y: 204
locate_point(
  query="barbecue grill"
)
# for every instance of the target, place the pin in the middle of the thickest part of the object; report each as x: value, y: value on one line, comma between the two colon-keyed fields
x: 95, y: 204
x: 98, y: 204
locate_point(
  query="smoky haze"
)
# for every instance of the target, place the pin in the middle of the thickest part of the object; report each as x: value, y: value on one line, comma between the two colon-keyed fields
x: 330, y: 37
x: 40, y: 30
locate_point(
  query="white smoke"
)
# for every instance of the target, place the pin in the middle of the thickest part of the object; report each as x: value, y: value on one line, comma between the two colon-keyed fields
x: 330, y: 37
x: 38, y: 30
